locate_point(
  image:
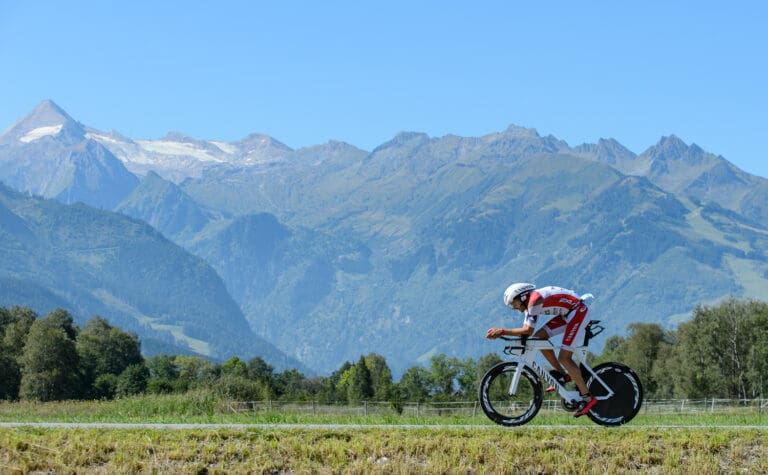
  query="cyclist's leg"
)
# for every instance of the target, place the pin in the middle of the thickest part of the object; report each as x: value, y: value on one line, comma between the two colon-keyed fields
x: 587, y: 401
x: 578, y: 320
x: 552, y: 328
x: 566, y: 361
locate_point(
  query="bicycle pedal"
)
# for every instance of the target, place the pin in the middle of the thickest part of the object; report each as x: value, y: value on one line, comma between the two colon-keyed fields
x: 585, y: 407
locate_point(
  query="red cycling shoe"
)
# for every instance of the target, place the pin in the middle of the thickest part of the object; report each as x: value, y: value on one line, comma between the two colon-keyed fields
x: 587, y: 405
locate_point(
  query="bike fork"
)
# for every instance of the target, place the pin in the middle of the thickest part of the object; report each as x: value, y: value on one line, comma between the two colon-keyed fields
x: 516, y: 378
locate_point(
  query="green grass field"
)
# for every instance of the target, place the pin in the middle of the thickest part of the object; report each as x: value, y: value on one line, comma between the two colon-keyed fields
x: 651, y: 443
x: 391, y: 450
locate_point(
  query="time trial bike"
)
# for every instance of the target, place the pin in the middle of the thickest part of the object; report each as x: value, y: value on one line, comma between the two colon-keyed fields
x: 511, y: 391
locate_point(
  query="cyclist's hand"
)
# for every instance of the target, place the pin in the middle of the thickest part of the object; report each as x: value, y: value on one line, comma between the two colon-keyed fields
x: 494, y: 333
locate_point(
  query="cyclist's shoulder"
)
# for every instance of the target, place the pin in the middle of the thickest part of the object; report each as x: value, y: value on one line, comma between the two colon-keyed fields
x: 554, y: 290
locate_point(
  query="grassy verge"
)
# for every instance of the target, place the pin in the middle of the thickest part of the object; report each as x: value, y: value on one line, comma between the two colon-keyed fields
x: 203, y: 408
x: 448, y: 450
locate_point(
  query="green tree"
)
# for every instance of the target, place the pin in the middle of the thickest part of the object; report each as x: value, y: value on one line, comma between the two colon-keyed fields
x: 5, y: 318
x: 234, y: 367
x: 361, y: 386
x: 291, y: 385
x: 342, y: 385
x: 14, y: 328
x: 335, y: 389
x: 467, y: 377
x: 757, y: 357
x: 712, y: 352
x: 133, y: 380
x: 733, y: 321
x: 414, y: 384
x: 104, y: 387
x: 663, y: 372
x: 50, y: 364
x: 263, y: 373
x: 195, y: 371
x: 10, y: 376
x: 238, y: 388
x: 611, y: 350
x: 17, y: 329
x: 442, y: 375
x: 381, y: 376
x: 235, y: 383
x: 163, y: 375
x: 64, y: 320
x: 164, y: 386
x: 260, y: 370
x: 640, y: 350
x: 104, y: 349
x: 486, y: 362
x: 163, y: 367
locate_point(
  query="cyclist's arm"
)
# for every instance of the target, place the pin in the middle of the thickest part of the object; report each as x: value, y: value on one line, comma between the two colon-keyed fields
x: 529, y: 324
x: 494, y: 333
x: 525, y: 330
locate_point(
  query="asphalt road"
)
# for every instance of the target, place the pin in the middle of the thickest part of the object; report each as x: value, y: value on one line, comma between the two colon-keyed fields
x: 174, y: 426
x: 181, y: 426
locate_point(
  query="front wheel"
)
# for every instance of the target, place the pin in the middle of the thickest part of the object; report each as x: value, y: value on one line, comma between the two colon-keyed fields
x: 510, y: 409
x: 626, y: 400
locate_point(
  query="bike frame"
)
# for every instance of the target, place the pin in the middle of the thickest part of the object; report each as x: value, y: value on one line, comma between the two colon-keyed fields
x: 525, y: 355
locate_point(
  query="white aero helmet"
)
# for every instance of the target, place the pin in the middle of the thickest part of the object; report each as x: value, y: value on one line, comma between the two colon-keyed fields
x: 515, y: 290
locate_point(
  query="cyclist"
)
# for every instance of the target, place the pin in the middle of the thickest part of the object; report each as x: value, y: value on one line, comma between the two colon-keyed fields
x: 570, y: 317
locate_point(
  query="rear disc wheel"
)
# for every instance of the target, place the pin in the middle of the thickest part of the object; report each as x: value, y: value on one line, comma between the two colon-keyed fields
x: 626, y: 400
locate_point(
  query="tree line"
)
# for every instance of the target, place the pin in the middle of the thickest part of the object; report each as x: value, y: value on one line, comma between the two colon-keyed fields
x: 721, y: 352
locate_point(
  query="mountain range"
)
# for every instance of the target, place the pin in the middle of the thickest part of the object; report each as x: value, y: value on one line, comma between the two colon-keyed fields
x: 329, y: 252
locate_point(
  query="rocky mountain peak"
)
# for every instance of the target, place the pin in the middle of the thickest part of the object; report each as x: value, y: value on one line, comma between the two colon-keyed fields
x: 261, y: 141
x: 672, y: 148
x: 46, y: 119
x: 174, y: 136
x: 608, y: 151
x: 517, y: 131
x: 48, y: 112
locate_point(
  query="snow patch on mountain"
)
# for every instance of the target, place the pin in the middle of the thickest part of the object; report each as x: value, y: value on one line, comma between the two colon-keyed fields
x: 41, y: 132
x: 225, y: 147
x: 177, y: 157
x: 127, y: 151
x: 104, y: 139
x: 181, y: 149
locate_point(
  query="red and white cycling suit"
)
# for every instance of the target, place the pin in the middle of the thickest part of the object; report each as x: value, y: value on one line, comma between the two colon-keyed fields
x: 571, y: 314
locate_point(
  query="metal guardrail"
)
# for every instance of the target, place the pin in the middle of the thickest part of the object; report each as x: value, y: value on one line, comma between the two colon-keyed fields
x: 471, y: 408
x: 710, y: 405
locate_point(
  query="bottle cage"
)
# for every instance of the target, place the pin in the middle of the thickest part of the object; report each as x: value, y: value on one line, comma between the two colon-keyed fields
x: 592, y: 330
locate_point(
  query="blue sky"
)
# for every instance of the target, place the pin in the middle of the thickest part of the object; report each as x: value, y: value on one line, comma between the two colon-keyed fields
x: 308, y: 72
